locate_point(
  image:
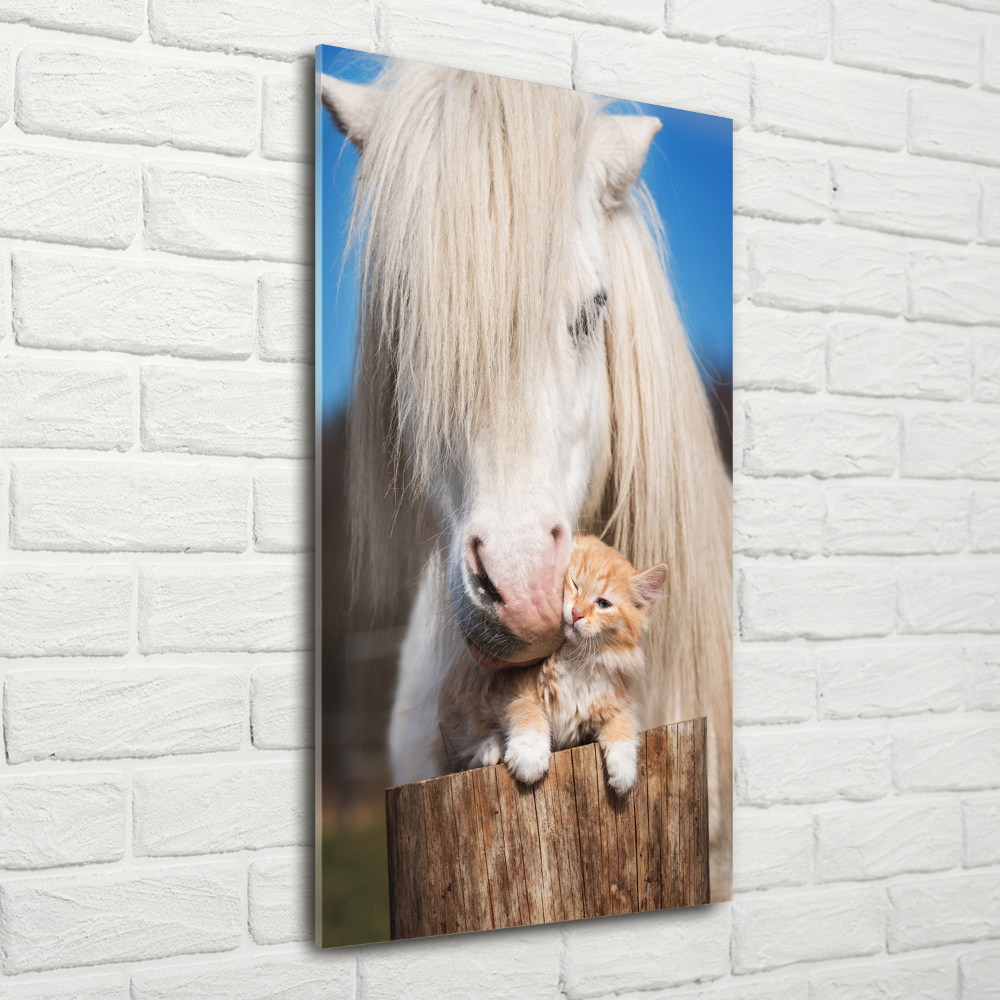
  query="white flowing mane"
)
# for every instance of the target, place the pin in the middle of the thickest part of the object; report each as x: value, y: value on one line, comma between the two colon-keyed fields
x: 465, y: 198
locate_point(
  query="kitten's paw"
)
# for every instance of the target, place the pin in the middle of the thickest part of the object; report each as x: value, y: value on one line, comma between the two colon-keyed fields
x: 620, y: 758
x: 488, y: 752
x: 527, y: 755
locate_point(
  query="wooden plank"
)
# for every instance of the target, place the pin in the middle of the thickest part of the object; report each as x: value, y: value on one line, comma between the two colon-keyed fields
x: 475, y: 850
x: 547, y: 811
x: 476, y: 880
x: 517, y: 806
x: 504, y: 870
x: 673, y: 889
x: 408, y: 844
x: 570, y: 865
x: 442, y: 865
x: 587, y: 781
x: 623, y: 808
x: 652, y: 893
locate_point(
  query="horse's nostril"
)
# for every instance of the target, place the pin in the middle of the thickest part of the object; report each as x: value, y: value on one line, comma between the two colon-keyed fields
x: 479, y: 575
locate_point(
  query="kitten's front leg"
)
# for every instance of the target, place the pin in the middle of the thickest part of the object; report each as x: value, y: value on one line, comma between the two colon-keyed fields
x: 528, y: 740
x: 619, y: 739
x: 488, y: 752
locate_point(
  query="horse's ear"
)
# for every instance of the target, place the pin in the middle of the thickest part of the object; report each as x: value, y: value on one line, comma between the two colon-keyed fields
x: 352, y: 105
x: 617, y: 149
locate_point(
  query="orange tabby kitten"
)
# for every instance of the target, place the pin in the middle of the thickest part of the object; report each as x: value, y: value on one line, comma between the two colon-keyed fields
x: 587, y: 689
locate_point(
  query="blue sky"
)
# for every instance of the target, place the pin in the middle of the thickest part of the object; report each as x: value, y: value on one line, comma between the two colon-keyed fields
x: 689, y: 171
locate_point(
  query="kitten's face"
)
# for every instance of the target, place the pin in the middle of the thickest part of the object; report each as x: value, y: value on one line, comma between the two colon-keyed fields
x: 606, y: 602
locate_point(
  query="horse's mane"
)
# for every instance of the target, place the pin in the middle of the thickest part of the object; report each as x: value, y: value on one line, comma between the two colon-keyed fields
x: 465, y: 192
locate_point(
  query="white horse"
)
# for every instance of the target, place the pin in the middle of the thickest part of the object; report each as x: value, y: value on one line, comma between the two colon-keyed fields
x: 522, y: 375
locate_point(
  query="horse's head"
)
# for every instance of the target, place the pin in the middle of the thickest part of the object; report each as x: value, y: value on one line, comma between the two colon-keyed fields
x: 483, y: 377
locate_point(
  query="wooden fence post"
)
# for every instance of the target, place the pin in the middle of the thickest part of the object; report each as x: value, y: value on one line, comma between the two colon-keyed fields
x: 477, y: 849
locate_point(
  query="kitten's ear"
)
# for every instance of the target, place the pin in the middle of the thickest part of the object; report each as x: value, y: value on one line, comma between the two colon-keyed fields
x: 352, y: 105
x: 618, y: 148
x: 648, y: 585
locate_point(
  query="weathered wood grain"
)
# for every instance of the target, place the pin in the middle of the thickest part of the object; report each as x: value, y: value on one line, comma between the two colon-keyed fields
x: 477, y: 849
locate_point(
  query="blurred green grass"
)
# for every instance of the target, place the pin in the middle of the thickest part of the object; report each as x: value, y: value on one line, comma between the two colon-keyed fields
x: 355, y: 880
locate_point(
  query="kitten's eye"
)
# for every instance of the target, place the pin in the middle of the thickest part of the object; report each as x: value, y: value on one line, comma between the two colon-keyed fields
x: 602, y: 603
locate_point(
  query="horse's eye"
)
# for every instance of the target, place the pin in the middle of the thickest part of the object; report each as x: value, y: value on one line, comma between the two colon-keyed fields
x: 602, y: 603
x: 582, y: 324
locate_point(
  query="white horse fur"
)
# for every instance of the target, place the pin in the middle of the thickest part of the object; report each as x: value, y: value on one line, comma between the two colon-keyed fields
x: 523, y: 375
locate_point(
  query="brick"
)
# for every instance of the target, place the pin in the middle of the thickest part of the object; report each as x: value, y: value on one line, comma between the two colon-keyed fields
x: 281, y: 701
x: 54, y: 610
x: 925, y: 913
x: 984, y: 677
x: 805, y: 267
x: 980, y: 974
x: 230, y: 214
x: 952, y: 443
x: 947, y: 757
x: 870, y: 357
x: 991, y: 57
x: 223, y: 608
x: 989, y: 217
x: 771, y: 848
x: 664, y: 71
x: 6, y: 90
x: 986, y: 365
x: 260, y: 27
x: 903, y: 36
x: 772, y: 686
x: 285, y: 330
x: 227, y: 411
x: 46, y: 404
x: 879, y: 681
x: 778, y: 350
x: 113, y: 96
x: 121, y: 917
x: 124, y: 19
x: 107, y: 987
x: 128, y: 507
x: 816, y: 601
x: 485, y: 38
x: 66, y: 819
x: 741, y: 258
x: 329, y: 976
x: 127, y: 712
x: 661, y: 953
x: 280, y: 899
x: 911, y: 197
x: 797, y: 437
x: 401, y: 971
x: 894, y: 518
x: 287, y: 117
x: 102, y: 304
x: 954, y: 124
x: 69, y: 197
x: 282, y: 509
x: 795, y: 26
x: 782, y: 516
x: 954, y: 597
x: 762, y: 988
x: 644, y: 14
x: 225, y: 807
x: 829, y: 104
x: 980, y: 822
x: 775, y: 930
x: 954, y: 286
x: 928, y: 979
x: 811, y: 766
x: 778, y: 180
x: 876, y: 841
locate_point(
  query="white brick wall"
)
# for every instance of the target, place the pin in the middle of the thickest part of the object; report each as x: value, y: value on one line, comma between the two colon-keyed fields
x: 155, y: 511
